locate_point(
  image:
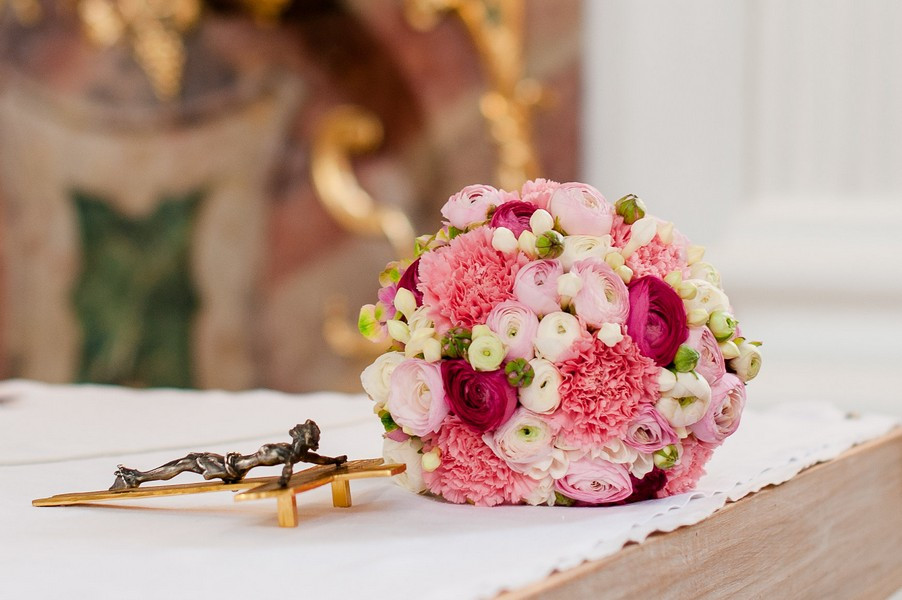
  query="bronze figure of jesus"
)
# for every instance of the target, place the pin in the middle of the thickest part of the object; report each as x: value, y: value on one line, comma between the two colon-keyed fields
x: 232, y: 467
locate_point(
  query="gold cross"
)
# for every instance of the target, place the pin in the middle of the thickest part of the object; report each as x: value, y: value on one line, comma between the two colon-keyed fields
x: 254, y: 488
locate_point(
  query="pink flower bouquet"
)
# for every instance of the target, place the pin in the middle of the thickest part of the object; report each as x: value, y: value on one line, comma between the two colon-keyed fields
x: 549, y: 347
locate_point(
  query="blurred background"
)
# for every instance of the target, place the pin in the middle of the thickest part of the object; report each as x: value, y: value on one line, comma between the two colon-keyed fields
x: 202, y: 194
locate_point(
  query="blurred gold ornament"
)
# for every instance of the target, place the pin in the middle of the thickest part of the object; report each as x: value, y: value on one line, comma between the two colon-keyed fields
x: 26, y: 12
x: 153, y: 29
x: 496, y: 27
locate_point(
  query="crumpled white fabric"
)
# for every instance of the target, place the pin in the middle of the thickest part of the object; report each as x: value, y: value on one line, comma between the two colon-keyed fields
x: 390, y: 544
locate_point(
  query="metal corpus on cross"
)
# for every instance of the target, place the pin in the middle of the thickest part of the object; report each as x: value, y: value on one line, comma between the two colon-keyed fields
x: 252, y: 488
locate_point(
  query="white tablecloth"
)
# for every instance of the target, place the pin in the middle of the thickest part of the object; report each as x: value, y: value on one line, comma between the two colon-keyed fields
x: 390, y: 544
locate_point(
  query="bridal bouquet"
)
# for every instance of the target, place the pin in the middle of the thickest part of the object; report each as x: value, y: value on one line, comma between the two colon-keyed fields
x: 549, y: 347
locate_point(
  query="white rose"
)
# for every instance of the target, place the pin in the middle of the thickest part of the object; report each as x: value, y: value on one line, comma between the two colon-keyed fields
x: 543, y: 394
x: 556, y: 335
x: 688, y: 400
x: 408, y: 453
x: 578, y: 247
x: 376, y: 378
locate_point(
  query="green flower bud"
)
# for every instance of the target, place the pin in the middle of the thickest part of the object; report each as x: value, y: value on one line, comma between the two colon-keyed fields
x: 550, y: 244
x: 562, y: 500
x: 368, y: 322
x: 631, y: 208
x: 455, y: 342
x: 666, y: 457
x: 519, y: 372
x: 387, y: 422
x: 686, y: 359
x: 722, y: 324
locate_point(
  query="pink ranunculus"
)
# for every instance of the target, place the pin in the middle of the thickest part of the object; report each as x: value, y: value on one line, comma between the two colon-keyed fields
x: 416, y: 399
x: 603, y: 297
x: 536, y: 286
x: 595, y: 481
x: 482, y: 400
x: 516, y: 325
x: 657, y: 319
x: 724, y: 411
x: 581, y: 210
x: 514, y: 215
x: 463, y: 281
x: 649, y: 431
x: 471, y: 205
x: 711, y: 364
x: 410, y: 280
x: 539, y: 192
x: 470, y: 472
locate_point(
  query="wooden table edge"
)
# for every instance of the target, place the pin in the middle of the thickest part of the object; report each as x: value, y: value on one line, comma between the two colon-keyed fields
x: 589, y: 580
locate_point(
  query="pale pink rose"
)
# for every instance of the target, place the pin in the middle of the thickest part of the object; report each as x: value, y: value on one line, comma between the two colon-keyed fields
x: 595, y: 481
x: 416, y: 400
x: 710, y: 360
x: 536, y: 286
x: 603, y: 297
x: 471, y: 205
x: 649, y: 431
x: 724, y: 412
x: 516, y: 325
x: 539, y: 192
x: 581, y: 210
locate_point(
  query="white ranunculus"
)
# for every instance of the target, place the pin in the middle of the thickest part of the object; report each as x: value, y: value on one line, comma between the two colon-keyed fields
x: 579, y: 247
x: 688, y: 400
x: 542, y: 494
x: 408, y: 453
x: 503, y: 240
x: 708, y: 297
x: 376, y: 378
x: 748, y: 363
x: 556, y: 335
x: 610, y: 334
x: 705, y: 272
x: 486, y: 352
x: 526, y: 443
x: 543, y: 394
x: 643, y: 465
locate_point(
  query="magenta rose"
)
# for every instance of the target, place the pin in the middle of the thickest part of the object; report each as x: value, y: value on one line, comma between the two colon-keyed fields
x: 649, y: 431
x: 657, y: 319
x: 410, y: 280
x: 595, y: 481
x: 482, y: 400
x: 724, y: 411
x: 514, y: 215
x: 711, y: 364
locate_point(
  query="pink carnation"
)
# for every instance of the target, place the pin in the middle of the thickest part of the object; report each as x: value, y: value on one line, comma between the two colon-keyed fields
x: 683, y: 476
x: 603, y: 389
x: 654, y: 258
x: 539, y: 192
x: 470, y: 471
x: 463, y: 281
